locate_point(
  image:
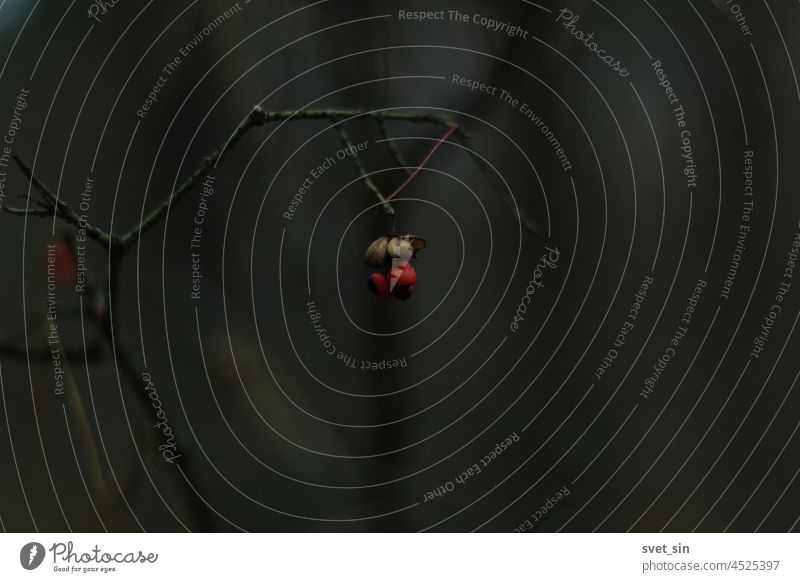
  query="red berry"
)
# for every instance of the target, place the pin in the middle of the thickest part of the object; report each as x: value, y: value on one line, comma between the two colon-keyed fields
x: 378, y: 284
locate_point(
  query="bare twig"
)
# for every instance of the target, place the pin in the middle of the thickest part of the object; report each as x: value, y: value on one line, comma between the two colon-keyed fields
x: 46, y: 203
x: 119, y: 245
x: 256, y: 118
x: 424, y: 161
x: 28, y: 211
x: 346, y: 114
x: 383, y: 127
x: 51, y: 204
x: 16, y: 349
x: 491, y: 176
x: 77, y: 412
x: 362, y: 171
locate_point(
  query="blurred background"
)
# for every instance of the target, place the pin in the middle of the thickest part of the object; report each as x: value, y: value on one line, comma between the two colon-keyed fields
x: 267, y: 430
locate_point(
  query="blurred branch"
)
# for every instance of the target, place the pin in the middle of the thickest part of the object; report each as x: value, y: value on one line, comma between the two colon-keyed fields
x: 16, y: 349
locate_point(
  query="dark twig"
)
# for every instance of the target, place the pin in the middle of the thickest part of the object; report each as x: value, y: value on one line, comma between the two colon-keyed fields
x: 254, y: 119
x: 362, y: 171
x: 258, y: 117
x: 424, y: 161
x: 347, y: 114
x: 383, y: 127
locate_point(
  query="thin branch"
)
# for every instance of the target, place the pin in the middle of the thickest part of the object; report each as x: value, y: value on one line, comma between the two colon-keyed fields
x: 424, y: 161
x: 362, y: 171
x: 202, y: 519
x: 43, y: 190
x: 119, y: 245
x: 491, y: 176
x: 42, y: 205
x: 254, y: 119
x: 16, y: 349
x: 28, y: 211
x: 52, y: 204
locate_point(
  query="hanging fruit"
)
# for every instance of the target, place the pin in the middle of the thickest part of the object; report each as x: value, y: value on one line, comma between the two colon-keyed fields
x: 391, y: 255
